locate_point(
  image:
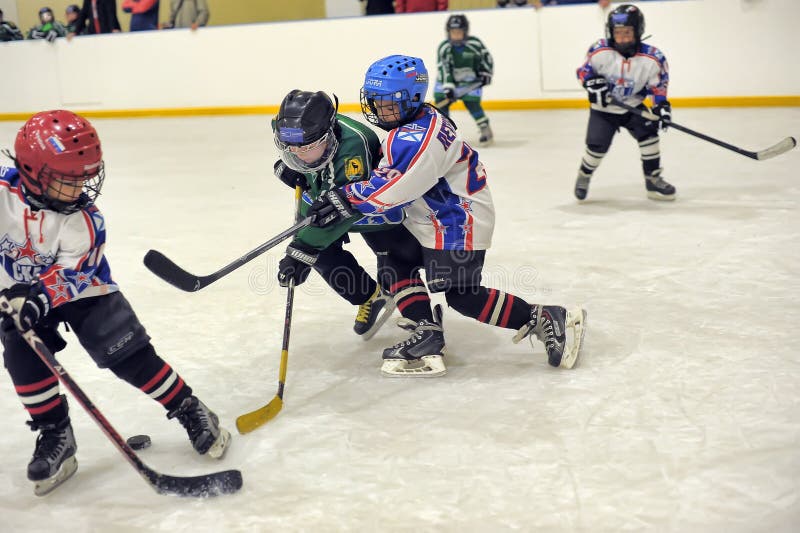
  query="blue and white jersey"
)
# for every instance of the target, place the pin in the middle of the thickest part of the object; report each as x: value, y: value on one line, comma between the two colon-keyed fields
x: 65, y: 252
x: 633, y: 79
x: 430, y: 171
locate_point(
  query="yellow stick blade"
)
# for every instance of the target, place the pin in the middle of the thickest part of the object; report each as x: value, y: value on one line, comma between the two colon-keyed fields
x: 255, y: 419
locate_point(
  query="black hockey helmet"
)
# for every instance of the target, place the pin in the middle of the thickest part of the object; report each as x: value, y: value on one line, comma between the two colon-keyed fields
x: 457, y: 22
x: 304, y: 130
x: 625, y: 15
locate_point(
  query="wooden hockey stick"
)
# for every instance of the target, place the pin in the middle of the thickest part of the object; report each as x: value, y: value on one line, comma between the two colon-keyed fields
x: 458, y: 93
x: 255, y: 419
x: 163, y: 267
x: 775, y: 150
x: 225, y: 482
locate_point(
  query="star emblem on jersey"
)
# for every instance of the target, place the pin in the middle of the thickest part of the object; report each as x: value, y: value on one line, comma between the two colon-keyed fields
x: 59, y: 291
x: 80, y: 279
x: 21, y: 261
x: 466, y: 205
x: 27, y: 251
x: 411, y: 132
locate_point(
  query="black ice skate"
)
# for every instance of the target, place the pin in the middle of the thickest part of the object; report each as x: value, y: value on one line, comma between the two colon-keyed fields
x: 582, y: 186
x: 487, y: 137
x: 203, y: 427
x: 422, y: 354
x: 560, y: 330
x: 657, y: 188
x: 373, y: 313
x: 53, y: 459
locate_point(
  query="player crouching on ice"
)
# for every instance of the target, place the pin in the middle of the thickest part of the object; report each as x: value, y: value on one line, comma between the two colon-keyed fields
x: 55, y: 271
x: 437, y: 179
x: 622, y: 67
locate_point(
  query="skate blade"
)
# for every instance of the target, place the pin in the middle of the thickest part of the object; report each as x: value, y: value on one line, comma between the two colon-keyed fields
x: 431, y: 366
x: 220, y: 446
x: 576, y: 325
x: 654, y: 195
x: 66, y: 471
x: 384, y: 315
x: 484, y: 144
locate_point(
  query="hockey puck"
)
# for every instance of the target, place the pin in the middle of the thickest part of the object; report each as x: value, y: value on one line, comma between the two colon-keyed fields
x: 139, y: 442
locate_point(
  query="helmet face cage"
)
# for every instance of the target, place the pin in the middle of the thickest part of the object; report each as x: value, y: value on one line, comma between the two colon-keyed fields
x: 626, y: 15
x: 295, y: 155
x: 394, y: 91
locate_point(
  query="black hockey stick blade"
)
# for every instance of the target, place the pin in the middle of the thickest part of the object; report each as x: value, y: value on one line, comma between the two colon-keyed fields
x: 216, y: 484
x: 166, y: 269
x: 784, y: 146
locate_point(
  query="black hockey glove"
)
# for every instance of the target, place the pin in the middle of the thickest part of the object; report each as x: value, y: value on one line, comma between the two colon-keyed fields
x: 296, y: 265
x: 330, y: 208
x: 450, y: 94
x: 664, y: 112
x: 290, y: 177
x: 486, y: 78
x: 29, y: 302
x: 597, y: 87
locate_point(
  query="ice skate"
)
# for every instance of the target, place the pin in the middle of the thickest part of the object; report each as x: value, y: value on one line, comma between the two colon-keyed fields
x: 422, y: 354
x: 203, y: 427
x: 582, y: 186
x: 53, y: 460
x: 560, y: 330
x: 658, y: 188
x: 487, y: 137
x: 373, y: 313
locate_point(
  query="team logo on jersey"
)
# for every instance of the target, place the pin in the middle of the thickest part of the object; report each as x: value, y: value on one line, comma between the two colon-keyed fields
x: 56, y: 144
x: 411, y: 132
x: 21, y: 261
x: 354, y: 167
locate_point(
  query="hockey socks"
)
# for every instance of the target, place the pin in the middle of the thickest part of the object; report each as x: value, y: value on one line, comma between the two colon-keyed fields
x: 490, y: 306
x: 149, y: 373
x: 412, y: 300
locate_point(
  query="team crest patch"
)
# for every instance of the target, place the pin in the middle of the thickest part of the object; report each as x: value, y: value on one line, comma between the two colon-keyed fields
x: 411, y: 132
x: 354, y: 167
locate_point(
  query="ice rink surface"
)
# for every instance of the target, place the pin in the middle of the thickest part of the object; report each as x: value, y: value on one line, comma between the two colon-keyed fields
x: 683, y: 415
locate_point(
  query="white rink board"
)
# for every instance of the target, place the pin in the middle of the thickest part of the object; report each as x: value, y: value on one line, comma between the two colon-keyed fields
x: 683, y: 415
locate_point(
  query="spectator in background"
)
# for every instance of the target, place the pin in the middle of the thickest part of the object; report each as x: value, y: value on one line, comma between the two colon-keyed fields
x: 72, y: 14
x: 379, y: 7
x: 519, y: 3
x: 98, y: 16
x: 8, y: 30
x: 188, y: 14
x: 144, y: 14
x: 49, y: 28
x: 417, y: 6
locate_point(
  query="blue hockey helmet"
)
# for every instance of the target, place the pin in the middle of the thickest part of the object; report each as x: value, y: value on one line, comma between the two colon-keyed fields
x: 394, y: 91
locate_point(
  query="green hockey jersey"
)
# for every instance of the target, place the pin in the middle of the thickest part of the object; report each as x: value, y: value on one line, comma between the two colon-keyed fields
x: 461, y: 65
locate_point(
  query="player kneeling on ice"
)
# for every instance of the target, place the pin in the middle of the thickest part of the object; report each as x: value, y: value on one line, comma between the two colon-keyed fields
x: 622, y: 67
x: 55, y: 271
x: 320, y: 150
x: 437, y: 179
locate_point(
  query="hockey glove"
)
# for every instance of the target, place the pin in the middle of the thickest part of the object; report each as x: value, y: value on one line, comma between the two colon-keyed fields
x: 597, y: 87
x: 330, y: 208
x: 290, y: 177
x: 486, y: 78
x: 664, y: 112
x: 296, y: 265
x: 450, y: 94
x: 30, y: 303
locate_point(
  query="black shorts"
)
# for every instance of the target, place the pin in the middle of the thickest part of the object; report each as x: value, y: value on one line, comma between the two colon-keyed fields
x: 106, y: 327
x: 603, y: 126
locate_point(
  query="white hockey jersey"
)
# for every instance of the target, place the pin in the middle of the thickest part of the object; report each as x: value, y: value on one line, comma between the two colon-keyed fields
x: 430, y: 171
x: 65, y: 252
x: 633, y: 79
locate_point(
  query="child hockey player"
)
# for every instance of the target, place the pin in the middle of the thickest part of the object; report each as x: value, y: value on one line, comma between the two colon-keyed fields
x: 463, y: 61
x: 621, y: 66
x: 429, y: 171
x: 55, y: 271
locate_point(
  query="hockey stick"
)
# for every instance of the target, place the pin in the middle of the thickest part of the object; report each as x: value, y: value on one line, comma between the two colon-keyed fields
x: 458, y: 93
x: 777, y: 149
x: 255, y: 419
x: 163, y: 267
x: 225, y: 482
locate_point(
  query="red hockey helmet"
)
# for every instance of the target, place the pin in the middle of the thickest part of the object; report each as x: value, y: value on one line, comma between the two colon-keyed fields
x: 57, y: 150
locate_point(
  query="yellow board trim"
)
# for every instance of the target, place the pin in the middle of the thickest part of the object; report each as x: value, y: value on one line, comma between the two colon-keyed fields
x: 492, y: 105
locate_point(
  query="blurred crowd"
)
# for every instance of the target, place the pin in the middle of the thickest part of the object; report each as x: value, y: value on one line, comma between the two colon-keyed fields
x: 100, y: 16
x: 384, y: 7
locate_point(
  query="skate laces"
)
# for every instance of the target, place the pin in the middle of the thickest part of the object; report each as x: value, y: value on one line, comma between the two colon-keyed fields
x: 51, y: 441
x: 193, y: 417
x: 365, y: 308
x: 419, y: 328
